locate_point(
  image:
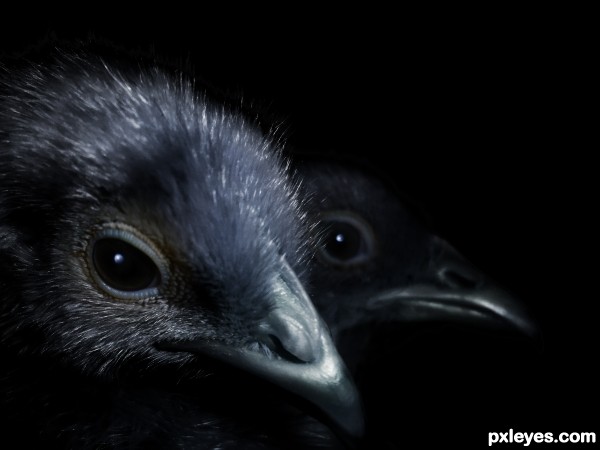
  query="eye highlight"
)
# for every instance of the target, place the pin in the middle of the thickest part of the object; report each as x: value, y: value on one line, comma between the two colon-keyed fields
x: 347, y: 239
x: 124, y: 265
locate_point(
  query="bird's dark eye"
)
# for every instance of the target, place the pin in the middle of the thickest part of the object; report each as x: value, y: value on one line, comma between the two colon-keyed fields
x: 347, y: 239
x: 124, y: 265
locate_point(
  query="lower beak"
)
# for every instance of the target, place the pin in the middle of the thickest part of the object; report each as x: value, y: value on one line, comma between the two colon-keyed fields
x: 301, y: 357
x: 452, y: 291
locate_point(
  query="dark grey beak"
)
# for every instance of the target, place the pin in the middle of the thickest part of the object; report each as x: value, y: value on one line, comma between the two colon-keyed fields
x: 301, y: 356
x: 452, y: 290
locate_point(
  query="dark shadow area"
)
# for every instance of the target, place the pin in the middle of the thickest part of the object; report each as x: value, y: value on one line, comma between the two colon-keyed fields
x: 483, y: 134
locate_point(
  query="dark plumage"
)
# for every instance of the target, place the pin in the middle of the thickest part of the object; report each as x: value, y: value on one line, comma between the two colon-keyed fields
x: 152, y: 246
x: 425, y: 333
x: 377, y: 263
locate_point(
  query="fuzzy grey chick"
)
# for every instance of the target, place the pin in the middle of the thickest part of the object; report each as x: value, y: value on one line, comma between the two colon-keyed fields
x: 153, y: 257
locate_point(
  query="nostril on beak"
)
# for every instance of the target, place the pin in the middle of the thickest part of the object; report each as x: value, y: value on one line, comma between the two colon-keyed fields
x: 277, y: 346
x: 459, y: 278
x: 288, y: 337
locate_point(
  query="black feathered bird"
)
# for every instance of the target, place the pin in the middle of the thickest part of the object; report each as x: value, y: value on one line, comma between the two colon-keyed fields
x: 377, y: 263
x: 389, y: 288
x: 153, y: 256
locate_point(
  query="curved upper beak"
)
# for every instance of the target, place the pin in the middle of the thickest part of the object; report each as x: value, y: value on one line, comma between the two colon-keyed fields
x: 300, y: 358
x: 452, y: 290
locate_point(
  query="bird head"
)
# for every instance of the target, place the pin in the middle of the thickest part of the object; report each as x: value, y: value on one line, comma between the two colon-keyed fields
x: 378, y: 263
x: 142, y: 227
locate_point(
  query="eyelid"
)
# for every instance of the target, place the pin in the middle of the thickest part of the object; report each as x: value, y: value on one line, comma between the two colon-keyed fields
x: 134, y: 238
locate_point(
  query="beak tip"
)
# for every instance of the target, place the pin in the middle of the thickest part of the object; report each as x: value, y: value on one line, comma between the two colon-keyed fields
x: 517, y: 318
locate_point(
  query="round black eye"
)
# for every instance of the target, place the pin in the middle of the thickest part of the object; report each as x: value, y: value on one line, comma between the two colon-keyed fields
x: 124, y: 265
x: 347, y: 239
x: 343, y: 241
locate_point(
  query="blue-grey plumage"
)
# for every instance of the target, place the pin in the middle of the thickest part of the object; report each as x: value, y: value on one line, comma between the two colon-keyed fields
x: 147, y: 235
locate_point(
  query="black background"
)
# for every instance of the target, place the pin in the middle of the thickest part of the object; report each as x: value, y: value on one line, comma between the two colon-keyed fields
x: 484, y: 124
